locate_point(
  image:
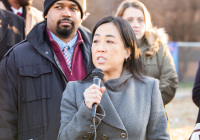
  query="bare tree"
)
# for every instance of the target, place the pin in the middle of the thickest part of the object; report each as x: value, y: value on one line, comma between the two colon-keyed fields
x: 180, y: 18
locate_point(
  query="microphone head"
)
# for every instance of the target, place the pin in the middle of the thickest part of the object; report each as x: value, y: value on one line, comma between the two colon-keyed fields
x: 97, y: 73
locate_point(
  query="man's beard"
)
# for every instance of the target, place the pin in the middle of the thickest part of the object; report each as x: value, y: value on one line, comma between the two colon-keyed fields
x: 65, y: 31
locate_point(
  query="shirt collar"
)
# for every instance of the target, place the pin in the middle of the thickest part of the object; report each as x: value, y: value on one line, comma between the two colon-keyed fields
x: 15, y: 11
x: 62, y: 44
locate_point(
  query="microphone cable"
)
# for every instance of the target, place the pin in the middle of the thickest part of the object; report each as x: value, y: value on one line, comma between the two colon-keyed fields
x: 94, y: 108
x: 97, y: 76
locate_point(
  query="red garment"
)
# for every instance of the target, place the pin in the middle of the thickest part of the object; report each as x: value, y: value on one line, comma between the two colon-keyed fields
x: 19, y: 14
x: 78, y: 71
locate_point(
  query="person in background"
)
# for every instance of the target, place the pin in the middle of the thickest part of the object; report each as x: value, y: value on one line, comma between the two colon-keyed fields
x: 129, y: 104
x: 196, y: 100
x: 24, y: 9
x: 196, y: 88
x: 12, y: 31
x: 156, y: 58
x: 35, y: 72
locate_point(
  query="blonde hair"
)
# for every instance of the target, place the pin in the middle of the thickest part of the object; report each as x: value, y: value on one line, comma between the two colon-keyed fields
x: 154, y: 36
x: 138, y: 5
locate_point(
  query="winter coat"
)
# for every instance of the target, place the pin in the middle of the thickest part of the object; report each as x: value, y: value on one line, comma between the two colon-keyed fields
x: 158, y: 62
x: 33, y: 16
x: 196, y: 89
x: 12, y: 31
x: 31, y: 87
x: 129, y: 109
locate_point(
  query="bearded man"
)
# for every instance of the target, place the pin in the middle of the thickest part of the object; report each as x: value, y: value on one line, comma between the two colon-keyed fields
x: 24, y: 9
x: 34, y: 73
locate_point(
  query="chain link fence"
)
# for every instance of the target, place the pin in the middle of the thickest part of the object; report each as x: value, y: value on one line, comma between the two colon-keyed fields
x: 186, y: 60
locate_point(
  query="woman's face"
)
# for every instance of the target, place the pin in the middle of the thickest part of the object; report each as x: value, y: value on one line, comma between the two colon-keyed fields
x: 136, y: 19
x: 108, y: 50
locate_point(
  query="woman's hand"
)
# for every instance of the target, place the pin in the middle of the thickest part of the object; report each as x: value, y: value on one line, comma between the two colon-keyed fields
x: 93, y: 95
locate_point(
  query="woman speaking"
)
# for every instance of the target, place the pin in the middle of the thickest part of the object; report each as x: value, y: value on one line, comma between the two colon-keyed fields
x: 129, y: 105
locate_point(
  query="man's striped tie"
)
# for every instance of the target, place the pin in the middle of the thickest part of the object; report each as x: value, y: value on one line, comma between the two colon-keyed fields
x: 67, y: 56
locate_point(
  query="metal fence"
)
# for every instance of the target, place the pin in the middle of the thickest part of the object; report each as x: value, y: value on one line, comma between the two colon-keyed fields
x: 188, y: 56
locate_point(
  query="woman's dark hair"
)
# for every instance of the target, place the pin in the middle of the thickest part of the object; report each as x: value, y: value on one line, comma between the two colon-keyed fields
x: 133, y: 63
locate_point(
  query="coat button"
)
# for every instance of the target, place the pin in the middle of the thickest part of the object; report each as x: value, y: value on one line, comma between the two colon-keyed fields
x: 46, y: 52
x: 123, y: 135
x: 91, y: 127
x: 104, y: 137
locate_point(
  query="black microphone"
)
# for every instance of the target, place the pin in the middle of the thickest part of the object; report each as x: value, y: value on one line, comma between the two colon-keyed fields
x: 97, y: 75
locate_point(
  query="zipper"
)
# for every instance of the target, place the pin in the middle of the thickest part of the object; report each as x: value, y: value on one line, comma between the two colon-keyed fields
x: 58, y: 64
x: 60, y: 68
x: 55, y: 63
x: 73, y: 54
x: 56, y: 57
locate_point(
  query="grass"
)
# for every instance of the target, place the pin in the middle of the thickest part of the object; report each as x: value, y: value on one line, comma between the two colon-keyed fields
x: 186, y: 85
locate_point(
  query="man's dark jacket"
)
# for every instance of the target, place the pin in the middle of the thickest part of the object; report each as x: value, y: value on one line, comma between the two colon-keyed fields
x: 196, y: 89
x: 31, y: 87
x: 12, y: 31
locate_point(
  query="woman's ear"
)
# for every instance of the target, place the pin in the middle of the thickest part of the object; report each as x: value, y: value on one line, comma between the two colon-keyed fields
x: 128, y: 52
